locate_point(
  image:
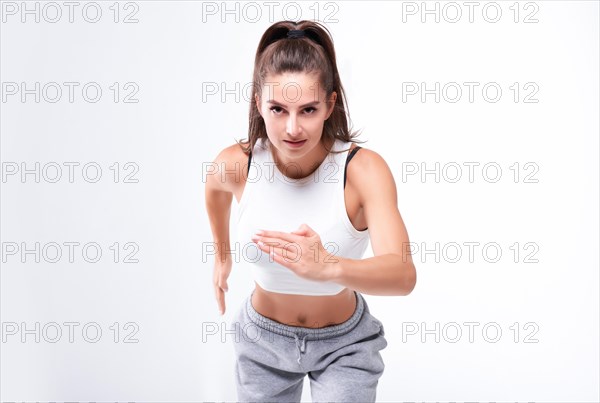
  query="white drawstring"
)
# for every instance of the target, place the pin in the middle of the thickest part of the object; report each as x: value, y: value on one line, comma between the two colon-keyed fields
x: 301, y: 347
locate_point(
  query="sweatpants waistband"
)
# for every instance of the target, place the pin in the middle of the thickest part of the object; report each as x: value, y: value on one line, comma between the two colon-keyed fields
x: 307, y: 332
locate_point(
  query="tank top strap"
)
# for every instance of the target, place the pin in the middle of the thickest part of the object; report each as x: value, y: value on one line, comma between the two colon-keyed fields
x: 348, y: 158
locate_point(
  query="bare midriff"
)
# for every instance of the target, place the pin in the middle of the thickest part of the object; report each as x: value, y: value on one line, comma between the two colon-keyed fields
x: 305, y: 310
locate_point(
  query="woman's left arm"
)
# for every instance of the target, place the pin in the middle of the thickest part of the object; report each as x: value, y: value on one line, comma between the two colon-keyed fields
x: 391, y: 270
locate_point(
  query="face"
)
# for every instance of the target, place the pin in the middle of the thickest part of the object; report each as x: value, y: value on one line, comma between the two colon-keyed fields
x: 294, y: 107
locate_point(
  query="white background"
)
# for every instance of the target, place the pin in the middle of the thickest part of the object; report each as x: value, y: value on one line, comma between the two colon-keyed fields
x: 176, y: 49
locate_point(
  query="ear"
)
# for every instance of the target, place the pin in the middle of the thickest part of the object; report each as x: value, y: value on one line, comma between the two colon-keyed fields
x: 331, y: 103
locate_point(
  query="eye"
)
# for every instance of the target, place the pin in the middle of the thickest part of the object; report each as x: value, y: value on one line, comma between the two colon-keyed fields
x: 276, y: 110
x: 310, y: 110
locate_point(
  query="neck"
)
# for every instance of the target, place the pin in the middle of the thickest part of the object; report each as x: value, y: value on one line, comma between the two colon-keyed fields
x: 301, y: 168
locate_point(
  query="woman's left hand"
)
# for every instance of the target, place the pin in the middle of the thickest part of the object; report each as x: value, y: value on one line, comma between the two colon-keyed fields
x: 300, y: 251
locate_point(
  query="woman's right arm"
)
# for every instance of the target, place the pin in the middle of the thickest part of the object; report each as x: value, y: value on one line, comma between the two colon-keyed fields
x: 219, y: 195
x: 218, y: 198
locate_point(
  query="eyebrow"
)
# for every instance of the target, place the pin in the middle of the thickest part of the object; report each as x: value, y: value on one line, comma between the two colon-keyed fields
x: 271, y: 101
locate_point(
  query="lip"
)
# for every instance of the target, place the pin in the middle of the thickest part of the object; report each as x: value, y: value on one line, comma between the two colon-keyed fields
x: 295, y: 144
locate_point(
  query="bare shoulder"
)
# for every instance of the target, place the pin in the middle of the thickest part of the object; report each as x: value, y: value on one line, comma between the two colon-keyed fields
x: 366, y: 162
x: 234, y: 154
x: 367, y: 170
x: 229, y: 160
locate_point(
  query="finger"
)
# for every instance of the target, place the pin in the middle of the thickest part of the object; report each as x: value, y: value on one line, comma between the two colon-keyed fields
x: 280, y: 245
x: 222, y: 304
x: 307, y: 229
x: 283, y: 256
x: 223, y: 282
x: 270, y: 247
x: 279, y: 236
x: 268, y: 242
x: 221, y: 301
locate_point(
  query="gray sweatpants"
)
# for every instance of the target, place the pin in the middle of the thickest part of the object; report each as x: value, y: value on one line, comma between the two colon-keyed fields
x: 343, y: 362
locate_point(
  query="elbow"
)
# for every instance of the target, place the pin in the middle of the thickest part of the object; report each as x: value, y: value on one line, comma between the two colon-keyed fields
x: 409, y: 279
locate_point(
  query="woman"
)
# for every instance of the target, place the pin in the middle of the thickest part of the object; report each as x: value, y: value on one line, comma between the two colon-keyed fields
x: 317, y: 212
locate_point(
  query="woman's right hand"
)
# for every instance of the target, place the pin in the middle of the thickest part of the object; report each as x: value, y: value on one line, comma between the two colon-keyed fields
x: 220, y: 275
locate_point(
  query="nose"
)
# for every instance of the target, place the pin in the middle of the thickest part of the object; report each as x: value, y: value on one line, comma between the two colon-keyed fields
x: 293, y: 126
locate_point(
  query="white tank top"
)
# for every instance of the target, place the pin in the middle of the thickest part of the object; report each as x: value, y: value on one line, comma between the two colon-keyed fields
x: 273, y: 201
